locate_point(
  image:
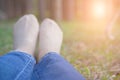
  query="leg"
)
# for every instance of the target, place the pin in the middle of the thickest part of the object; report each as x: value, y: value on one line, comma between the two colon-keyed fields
x: 19, y: 63
x: 52, y: 66
x: 16, y: 65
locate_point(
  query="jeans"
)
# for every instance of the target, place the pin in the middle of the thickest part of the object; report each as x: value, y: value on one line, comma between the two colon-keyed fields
x: 17, y: 65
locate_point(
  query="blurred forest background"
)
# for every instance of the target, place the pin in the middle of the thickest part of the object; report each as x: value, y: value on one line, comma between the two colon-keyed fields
x: 56, y: 9
x: 91, y: 31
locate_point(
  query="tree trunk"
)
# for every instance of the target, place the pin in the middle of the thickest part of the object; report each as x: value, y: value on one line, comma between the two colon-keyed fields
x: 42, y: 9
x: 68, y: 9
x: 56, y: 12
x: 10, y: 8
x: 29, y: 6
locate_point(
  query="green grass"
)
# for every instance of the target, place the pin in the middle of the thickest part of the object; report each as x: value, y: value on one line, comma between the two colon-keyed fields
x: 91, y: 53
x: 5, y: 36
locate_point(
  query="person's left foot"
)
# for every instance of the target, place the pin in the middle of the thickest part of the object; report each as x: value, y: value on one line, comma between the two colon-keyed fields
x: 25, y: 34
x: 50, y: 37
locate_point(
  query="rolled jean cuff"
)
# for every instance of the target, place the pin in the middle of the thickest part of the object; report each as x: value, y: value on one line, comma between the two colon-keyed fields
x: 22, y: 55
x: 50, y: 57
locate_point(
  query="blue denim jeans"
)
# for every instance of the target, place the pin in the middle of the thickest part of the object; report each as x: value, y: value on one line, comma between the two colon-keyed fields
x: 21, y: 66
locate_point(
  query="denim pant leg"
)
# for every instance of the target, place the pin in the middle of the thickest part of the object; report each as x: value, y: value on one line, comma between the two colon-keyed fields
x: 16, y: 66
x: 54, y: 67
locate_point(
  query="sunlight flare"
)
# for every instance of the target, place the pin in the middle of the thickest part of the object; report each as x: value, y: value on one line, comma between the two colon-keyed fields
x: 99, y: 9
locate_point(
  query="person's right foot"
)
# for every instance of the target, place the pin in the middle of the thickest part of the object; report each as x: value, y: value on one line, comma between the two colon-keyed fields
x: 50, y: 37
x: 25, y: 34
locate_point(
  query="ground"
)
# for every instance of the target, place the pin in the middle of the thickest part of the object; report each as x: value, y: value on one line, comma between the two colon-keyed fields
x: 89, y: 51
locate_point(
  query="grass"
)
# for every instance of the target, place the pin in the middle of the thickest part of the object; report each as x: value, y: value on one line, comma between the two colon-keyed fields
x: 91, y: 53
x: 5, y: 36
